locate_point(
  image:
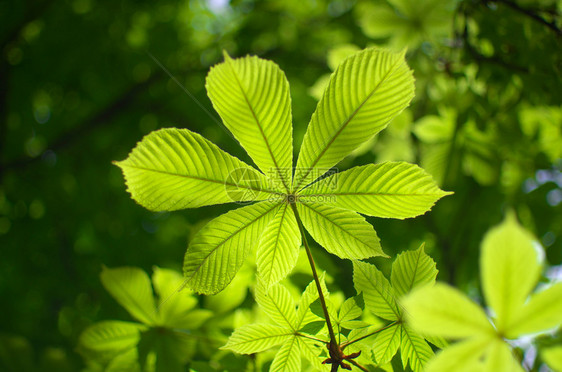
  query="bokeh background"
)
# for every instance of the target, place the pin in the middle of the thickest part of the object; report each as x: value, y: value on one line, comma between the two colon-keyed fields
x: 81, y: 81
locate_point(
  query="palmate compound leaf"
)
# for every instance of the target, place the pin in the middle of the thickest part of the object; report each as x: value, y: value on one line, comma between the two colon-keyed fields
x: 410, y: 270
x: 279, y: 246
x: 391, y: 190
x: 365, y: 92
x: 173, y: 169
x: 287, y: 330
x: 252, y: 97
x: 217, y: 251
x: 342, y: 232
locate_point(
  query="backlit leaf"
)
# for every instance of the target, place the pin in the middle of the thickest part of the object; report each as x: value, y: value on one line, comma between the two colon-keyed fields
x: 413, y: 349
x: 510, y: 268
x: 386, y: 344
x: 288, y: 358
x: 391, y: 189
x: 278, y: 304
x: 542, y: 312
x: 131, y: 287
x: 377, y: 292
x: 253, y: 338
x: 310, y: 294
x: 352, y: 308
x: 444, y: 311
x: 366, y: 91
x: 412, y: 269
x: 279, y: 246
x: 341, y: 232
x: 463, y: 356
x: 173, y: 169
x: 252, y: 97
x: 217, y: 251
x: 110, y: 337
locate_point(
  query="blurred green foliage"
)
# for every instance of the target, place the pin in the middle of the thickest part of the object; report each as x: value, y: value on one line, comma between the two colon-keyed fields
x: 81, y: 83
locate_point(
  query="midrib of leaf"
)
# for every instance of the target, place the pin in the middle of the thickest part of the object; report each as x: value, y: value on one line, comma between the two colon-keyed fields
x: 413, y: 346
x: 277, y: 240
x: 263, y: 338
x: 415, y: 271
x: 230, y: 237
x: 396, y: 329
x: 258, y: 124
x: 394, y: 310
x: 202, y: 179
x: 335, y: 224
x: 344, y: 125
x: 368, y: 194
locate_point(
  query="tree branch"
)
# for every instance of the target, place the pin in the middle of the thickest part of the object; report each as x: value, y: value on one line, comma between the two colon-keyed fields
x: 531, y: 14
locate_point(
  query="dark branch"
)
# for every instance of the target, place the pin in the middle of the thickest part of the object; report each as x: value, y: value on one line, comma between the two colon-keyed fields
x: 531, y: 14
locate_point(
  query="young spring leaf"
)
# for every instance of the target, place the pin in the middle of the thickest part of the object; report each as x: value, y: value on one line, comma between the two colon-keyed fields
x: 176, y: 308
x: 377, y: 292
x: 218, y: 250
x: 131, y: 287
x: 343, y: 233
x: 278, y: 304
x: 542, y: 312
x: 390, y: 190
x: 413, y: 349
x: 351, y: 309
x: 108, y: 338
x: 278, y: 249
x: 308, y: 297
x: 253, y: 338
x: 463, y: 356
x: 445, y: 311
x: 252, y: 97
x: 509, y: 269
x: 288, y: 358
x: 173, y: 169
x: 365, y: 92
x: 386, y: 344
x: 412, y: 269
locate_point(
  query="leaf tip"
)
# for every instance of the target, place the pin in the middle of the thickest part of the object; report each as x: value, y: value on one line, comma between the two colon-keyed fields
x: 226, y: 56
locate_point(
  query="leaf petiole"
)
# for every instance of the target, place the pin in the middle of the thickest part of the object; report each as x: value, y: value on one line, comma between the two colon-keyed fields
x: 315, y: 275
x: 343, y: 346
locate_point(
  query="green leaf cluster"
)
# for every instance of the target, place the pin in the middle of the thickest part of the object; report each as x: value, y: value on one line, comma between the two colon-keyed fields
x: 510, y: 266
x: 175, y: 168
x: 163, y: 339
x: 411, y: 270
x: 290, y: 329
